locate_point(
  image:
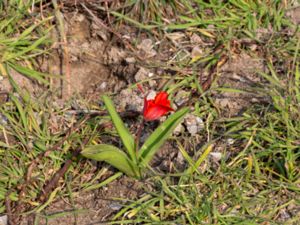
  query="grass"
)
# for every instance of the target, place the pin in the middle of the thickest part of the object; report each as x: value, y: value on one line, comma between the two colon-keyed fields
x: 256, y: 181
x: 24, y: 36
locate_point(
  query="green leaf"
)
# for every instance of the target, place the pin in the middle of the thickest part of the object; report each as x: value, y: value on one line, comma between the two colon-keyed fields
x: 113, y: 156
x: 125, y: 135
x: 157, y: 138
x: 29, y: 73
x: 22, y: 113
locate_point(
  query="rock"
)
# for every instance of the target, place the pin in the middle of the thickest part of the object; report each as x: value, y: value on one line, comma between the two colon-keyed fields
x: 181, y: 97
x: 141, y: 75
x: 130, y: 60
x: 179, y: 129
x: 216, y: 156
x: 115, y: 56
x: 129, y: 100
x: 151, y: 95
x: 194, y: 124
x: 114, y: 206
x: 146, y: 49
x: 175, y: 36
x: 196, y: 52
x: 230, y: 141
x: 3, y: 220
x: 196, y: 39
x: 152, y: 83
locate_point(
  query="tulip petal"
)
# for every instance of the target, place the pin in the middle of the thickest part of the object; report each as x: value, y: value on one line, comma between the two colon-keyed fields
x: 155, y: 112
x: 154, y: 109
x: 161, y: 98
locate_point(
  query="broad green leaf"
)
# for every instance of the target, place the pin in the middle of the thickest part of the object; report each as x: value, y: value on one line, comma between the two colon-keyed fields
x: 113, y: 156
x: 157, y: 138
x: 124, y: 133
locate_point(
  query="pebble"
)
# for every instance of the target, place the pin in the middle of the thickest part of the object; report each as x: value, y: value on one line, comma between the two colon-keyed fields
x: 196, y: 52
x: 141, y: 75
x: 130, y: 60
x: 216, y: 156
x: 194, y: 124
x: 114, y: 206
x: 151, y: 95
x: 146, y: 46
x: 3, y: 220
x: 181, y: 97
x: 179, y: 129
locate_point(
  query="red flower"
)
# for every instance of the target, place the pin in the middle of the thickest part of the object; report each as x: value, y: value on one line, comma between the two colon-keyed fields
x: 154, y: 109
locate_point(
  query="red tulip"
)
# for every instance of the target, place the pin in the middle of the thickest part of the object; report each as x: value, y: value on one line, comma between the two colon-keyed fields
x: 154, y: 109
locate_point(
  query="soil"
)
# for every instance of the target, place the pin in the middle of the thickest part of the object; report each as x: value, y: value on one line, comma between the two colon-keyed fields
x: 99, y: 63
x: 98, y: 206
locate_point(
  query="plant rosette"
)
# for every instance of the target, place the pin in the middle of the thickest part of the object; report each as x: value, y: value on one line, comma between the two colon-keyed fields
x: 133, y: 160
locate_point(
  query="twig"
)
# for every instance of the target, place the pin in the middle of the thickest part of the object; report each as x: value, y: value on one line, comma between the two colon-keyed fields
x: 19, y: 206
x: 138, y: 135
x: 54, y: 180
x: 65, y: 55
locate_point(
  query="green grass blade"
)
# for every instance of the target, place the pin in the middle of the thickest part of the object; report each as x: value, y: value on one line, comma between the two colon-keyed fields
x: 124, y: 133
x: 29, y: 73
x: 157, y: 138
x: 22, y: 113
x: 113, y: 156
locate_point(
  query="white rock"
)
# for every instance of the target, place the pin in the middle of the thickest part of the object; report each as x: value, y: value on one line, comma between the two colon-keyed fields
x: 151, y: 95
x: 130, y: 60
x: 181, y: 97
x: 103, y: 85
x: 152, y: 83
x: 230, y: 141
x: 3, y: 220
x: 146, y: 46
x: 216, y: 156
x: 193, y: 124
x: 141, y: 75
x: 179, y: 129
x: 196, y: 52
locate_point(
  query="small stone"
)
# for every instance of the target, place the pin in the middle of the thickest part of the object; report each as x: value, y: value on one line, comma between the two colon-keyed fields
x: 145, y: 45
x: 179, y: 129
x: 284, y: 215
x: 194, y: 124
x: 103, y: 86
x: 175, y: 36
x: 181, y: 97
x: 146, y: 48
x: 151, y: 95
x: 129, y: 100
x: 152, y: 83
x: 230, y: 141
x: 141, y: 75
x: 196, y: 39
x: 196, y: 52
x: 3, y: 220
x: 114, y: 206
x: 180, y: 159
x: 216, y: 156
x: 130, y: 60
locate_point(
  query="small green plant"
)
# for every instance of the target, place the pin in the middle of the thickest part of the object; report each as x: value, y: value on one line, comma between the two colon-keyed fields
x: 135, y: 159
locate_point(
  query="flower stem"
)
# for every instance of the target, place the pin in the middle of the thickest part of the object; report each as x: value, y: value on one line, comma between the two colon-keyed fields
x: 138, y: 136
